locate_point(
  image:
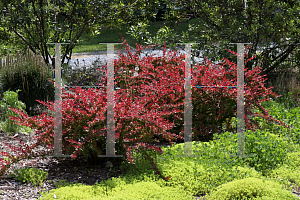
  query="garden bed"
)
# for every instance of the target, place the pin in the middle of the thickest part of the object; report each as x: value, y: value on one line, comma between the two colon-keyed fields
x: 78, y: 171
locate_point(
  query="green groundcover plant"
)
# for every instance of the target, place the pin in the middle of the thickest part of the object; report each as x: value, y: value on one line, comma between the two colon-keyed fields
x: 30, y: 175
x: 10, y: 100
x: 194, y: 176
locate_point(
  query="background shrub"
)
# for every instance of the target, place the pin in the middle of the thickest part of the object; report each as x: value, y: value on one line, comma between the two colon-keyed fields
x: 29, y: 74
x: 268, y: 150
x: 83, y: 75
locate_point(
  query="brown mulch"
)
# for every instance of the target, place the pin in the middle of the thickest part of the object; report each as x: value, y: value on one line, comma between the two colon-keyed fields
x: 85, y: 172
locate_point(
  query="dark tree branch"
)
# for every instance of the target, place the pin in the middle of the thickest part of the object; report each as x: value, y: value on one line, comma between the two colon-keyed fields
x: 22, y: 38
x: 280, y: 58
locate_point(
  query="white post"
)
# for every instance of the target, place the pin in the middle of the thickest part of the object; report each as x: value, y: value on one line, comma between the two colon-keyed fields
x: 58, y: 104
x: 110, y: 137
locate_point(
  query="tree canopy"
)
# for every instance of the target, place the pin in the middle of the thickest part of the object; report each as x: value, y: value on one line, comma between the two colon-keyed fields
x: 260, y: 22
x: 39, y: 22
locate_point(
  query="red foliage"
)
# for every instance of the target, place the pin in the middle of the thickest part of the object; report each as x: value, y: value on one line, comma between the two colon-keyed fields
x: 212, y: 75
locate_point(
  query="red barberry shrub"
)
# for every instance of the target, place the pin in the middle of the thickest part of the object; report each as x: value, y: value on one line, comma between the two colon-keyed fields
x: 143, y: 106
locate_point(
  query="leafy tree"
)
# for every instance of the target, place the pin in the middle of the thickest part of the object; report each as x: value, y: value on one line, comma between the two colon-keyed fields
x: 260, y: 22
x: 39, y: 22
x: 160, y: 11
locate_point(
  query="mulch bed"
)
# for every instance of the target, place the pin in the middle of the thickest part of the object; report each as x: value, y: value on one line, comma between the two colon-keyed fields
x: 65, y: 169
x: 85, y: 172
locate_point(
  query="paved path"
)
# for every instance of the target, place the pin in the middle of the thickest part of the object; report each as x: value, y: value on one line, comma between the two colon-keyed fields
x: 86, y: 59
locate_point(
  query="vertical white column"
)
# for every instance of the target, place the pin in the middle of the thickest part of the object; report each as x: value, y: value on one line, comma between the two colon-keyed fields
x: 188, y: 151
x: 110, y: 140
x: 110, y: 137
x: 240, y: 101
x: 188, y: 143
x: 58, y: 104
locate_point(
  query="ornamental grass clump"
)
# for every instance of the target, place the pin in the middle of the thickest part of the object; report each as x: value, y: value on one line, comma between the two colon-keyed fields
x: 30, y: 74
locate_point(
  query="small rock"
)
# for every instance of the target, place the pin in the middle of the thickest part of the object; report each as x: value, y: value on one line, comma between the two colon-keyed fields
x: 108, y: 164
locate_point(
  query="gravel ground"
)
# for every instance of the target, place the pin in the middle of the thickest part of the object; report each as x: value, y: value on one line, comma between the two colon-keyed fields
x: 86, y: 59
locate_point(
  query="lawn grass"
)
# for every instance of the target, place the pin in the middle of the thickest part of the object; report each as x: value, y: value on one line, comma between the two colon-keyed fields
x: 88, y: 43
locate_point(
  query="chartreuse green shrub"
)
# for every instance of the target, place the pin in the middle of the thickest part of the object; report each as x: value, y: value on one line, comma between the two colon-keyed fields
x: 200, y: 175
x: 116, y: 188
x: 288, y: 116
x: 217, y: 165
x: 289, y: 172
x: 264, y: 149
x: 250, y: 188
x: 188, y: 175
